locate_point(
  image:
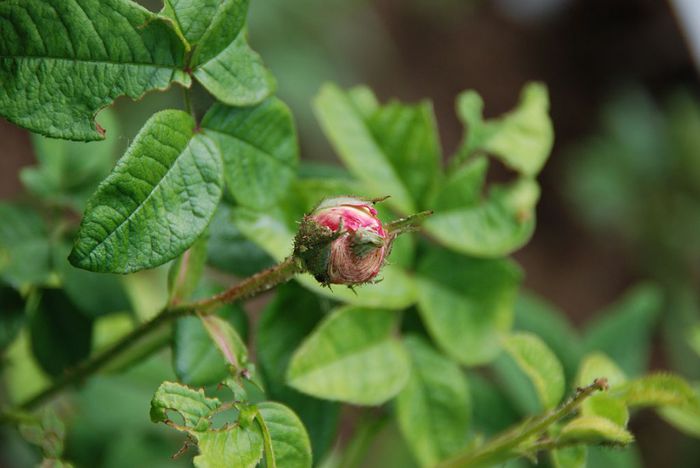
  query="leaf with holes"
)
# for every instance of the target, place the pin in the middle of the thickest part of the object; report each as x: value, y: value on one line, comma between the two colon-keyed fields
x: 60, y: 63
x: 259, y: 147
x: 351, y: 357
x: 155, y: 203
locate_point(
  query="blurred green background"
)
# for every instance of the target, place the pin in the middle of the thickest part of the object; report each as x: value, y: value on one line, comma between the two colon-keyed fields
x: 621, y: 192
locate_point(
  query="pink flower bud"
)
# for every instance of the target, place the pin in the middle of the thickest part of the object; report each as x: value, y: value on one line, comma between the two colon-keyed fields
x: 342, y: 241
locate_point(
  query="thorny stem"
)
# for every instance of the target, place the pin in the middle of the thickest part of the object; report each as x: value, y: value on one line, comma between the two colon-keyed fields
x: 250, y: 287
x: 506, y: 445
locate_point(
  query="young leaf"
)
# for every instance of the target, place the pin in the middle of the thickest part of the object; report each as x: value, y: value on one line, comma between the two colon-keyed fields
x: 290, y: 446
x: 186, y: 271
x: 594, y: 430
x: 236, y: 76
x: 290, y: 317
x: 227, y: 341
x: 467, y: 305
x: 624, y: 329
x: 658, y: 390
x: 196, y: 358
x: 538, y: 362
x: 569, y: 457
x: 522, y: 139
x: 259, y: 147
x: 351, y: 357
x: 494, y: 226
x: 594, y: 366
x: 434, y: 408
x: 156, y: 202
x: 534, y: 315
x: 685, y: 418
x: 61, y: 64
x: 354, y: 142
x: 597, y: 365
x: 61, y: 335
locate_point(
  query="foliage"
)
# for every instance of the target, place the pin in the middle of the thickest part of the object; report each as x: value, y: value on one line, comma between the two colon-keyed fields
x: 469, y: 370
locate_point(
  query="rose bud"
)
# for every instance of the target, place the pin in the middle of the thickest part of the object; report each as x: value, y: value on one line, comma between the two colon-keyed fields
x: 342, y: 241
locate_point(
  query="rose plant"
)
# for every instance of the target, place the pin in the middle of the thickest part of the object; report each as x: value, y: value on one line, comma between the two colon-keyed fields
x: 432, y: 331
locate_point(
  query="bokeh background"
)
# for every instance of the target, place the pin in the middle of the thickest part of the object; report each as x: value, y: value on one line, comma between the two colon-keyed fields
x: 620, y: 202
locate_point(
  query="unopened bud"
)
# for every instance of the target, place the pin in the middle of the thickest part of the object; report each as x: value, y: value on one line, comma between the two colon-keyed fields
x: 343, y: 241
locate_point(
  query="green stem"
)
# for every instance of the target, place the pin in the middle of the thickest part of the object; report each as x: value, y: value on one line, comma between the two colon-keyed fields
x: 250, y: 287
x: 506, y: 446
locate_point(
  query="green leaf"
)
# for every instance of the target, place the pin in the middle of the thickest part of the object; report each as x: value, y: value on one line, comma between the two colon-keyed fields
x: 237, y: 75
x: 288, y: 318
x: 434, y: 408
x: 259, y: 147
x: 685, y: 418
x: 570, y: 457
x: 186, y: 271
x: 69, y: 171
x: 196, y: 359
x: 623, y: 331
x: 606, y: 406
x: 48, y: 433
x: 658, y: 390
x: 541, y: 366
x: 192, y: 405
x: 594, y: 366
x: 229, y: 250
x: 157, y: 201
x: 522, y: 139
x: 233, y: 446
x: 490, y: 226
x: 94, y: 294
x: 25, y: 253
x: 467, y: 303
x: 352, y: 138
x: 352, y: 357
x: 534, y: 315
x: 61, y: 335
x: 594, y: 430
x: 407, y: 136
x: 11, y: 315
x: 60, y: 62
x: 290, y: 445
x: 211, y: 25
x: 227, y: 340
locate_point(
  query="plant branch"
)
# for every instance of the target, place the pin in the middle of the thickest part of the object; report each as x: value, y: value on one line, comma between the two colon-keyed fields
x: 506, y: 445
x: 250, y: 287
